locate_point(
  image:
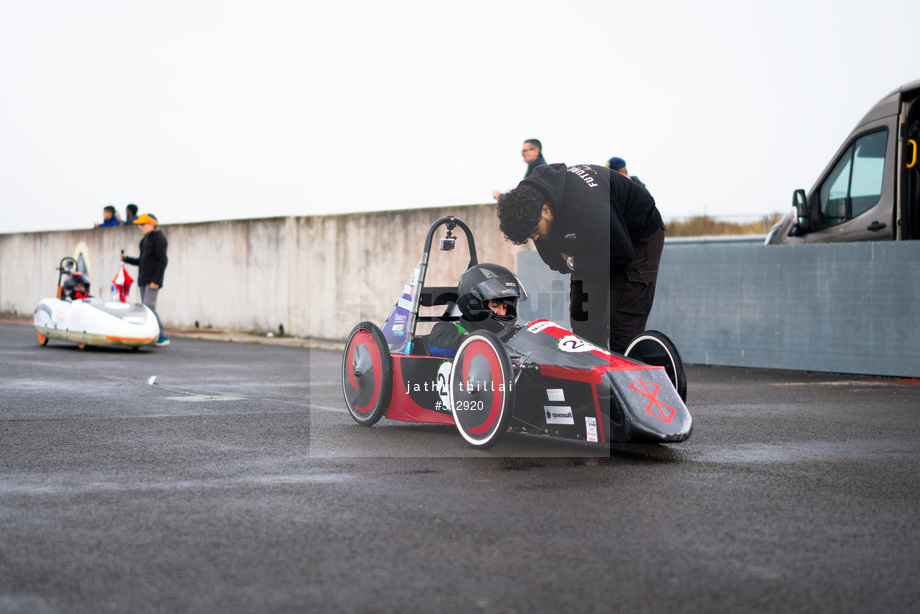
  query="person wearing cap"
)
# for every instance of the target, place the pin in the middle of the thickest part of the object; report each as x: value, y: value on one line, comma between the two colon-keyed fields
x: 151, y: 265
x: 619, y: 165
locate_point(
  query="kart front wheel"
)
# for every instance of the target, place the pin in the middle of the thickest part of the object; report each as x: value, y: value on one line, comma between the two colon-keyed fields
x: 481, y: 390
x: 367, y: 374
x: 654, y: 348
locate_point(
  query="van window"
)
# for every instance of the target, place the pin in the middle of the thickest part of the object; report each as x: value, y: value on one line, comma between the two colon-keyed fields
x: 855, y: 184
x: 834, y: 191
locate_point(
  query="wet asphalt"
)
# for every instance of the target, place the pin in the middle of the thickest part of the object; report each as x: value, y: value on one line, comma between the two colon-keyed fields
x: 236, y: 482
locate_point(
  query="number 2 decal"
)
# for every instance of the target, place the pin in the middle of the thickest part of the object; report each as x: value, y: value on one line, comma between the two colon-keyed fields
x: 573, y: 344
x: 443, y: 379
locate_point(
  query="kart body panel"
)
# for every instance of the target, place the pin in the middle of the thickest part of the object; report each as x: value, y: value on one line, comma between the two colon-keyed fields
x: 97, y: 322
x: 564, y: 387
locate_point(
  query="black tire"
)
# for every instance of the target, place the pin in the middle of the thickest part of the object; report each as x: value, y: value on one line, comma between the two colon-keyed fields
x: 481, y: 390
x: 367, y: 374
x: 654, y: 348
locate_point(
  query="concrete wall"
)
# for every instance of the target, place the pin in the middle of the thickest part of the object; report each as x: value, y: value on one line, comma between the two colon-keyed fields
x: 357, y: 264
x: 847, y: 307
x: 836, y: 307
x: 316, y: 276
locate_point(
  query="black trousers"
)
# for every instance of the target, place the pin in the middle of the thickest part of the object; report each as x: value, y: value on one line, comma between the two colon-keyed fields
x: 610, y: 309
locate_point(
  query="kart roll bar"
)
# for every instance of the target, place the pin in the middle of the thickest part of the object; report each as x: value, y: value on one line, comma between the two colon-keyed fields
x: 447, y: 244
x: 66, y: 267
x: 451, y: 223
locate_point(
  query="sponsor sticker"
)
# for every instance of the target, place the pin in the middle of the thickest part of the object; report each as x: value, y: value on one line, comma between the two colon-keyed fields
x: 559, y: 415
x: 574, y: 345
x: 591, y: 428
x: 555, y: 394
x: 540, y: 326
x: 397, y: 327
x: 404, y: 304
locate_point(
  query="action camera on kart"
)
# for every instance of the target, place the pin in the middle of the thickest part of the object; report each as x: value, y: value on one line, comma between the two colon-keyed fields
x: 448, y: 244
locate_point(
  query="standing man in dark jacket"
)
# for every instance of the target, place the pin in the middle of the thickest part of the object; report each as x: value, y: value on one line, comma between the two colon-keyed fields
x: 532, y: 152
x: 602, y: 228
x: 151, y: 266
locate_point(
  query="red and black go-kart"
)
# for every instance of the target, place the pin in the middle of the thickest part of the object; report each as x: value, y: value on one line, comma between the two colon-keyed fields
x: 542, y: 380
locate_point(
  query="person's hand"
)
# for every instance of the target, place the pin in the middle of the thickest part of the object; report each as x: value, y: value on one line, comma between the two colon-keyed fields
x: 153, y: 286
x: 122, y: 256
x: 496, y: 194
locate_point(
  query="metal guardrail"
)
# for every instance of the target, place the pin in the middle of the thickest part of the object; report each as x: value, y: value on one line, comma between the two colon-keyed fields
x: 840, y: 307
x: 716, y: 239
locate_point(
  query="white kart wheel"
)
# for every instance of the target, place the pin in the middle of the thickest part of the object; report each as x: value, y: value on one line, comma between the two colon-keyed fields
x: 481, y: 390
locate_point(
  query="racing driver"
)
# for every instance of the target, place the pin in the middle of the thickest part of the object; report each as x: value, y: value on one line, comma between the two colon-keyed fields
x: 488, y: 298
x: 76, y: 287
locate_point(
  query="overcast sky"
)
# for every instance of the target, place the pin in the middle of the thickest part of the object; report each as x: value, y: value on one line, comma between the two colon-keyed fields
x: 203, y: 110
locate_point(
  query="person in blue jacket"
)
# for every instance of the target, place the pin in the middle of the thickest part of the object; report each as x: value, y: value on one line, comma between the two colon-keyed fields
x: 109, y: 217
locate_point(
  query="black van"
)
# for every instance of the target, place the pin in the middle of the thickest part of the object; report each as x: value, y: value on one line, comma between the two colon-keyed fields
x: 871, y: 189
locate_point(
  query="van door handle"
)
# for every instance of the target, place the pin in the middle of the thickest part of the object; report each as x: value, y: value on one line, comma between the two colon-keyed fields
x: 874, y: 226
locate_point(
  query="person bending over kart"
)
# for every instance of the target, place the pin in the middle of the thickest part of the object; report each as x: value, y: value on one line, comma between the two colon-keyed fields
x: 488, y: 298
x: 76, y: 287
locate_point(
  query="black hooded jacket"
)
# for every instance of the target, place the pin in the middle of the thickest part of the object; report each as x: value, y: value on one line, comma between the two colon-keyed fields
x: 598, y: 214
x: 152, y: 260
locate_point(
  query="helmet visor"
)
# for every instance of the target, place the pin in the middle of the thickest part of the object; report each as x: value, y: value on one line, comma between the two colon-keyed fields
x: 497, y: 288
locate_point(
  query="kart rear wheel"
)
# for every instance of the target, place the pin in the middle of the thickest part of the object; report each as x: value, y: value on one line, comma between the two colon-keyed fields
x: 481, y: 390
x: 654, y: 348
x: 42, y: 340
x: 367, y: 374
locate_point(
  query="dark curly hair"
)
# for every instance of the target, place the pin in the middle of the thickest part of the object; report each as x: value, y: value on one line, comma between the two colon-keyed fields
x: 519, y: 213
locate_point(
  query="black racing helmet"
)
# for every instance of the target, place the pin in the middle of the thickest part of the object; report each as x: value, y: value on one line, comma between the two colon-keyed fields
x: 489, y: 282
x: 73, y: 280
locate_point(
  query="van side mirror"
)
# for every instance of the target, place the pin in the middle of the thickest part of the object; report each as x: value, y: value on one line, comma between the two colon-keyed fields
x: 802, y: 214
